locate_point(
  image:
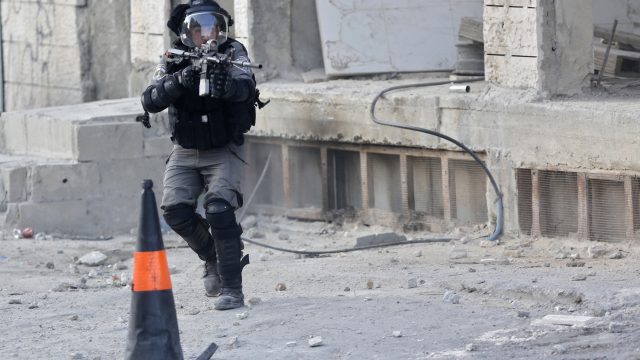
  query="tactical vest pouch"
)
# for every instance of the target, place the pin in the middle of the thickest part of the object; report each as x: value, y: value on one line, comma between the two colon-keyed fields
x: 202, y: 132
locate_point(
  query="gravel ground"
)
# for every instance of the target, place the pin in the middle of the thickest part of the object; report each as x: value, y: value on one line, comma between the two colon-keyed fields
x: 461, y: 299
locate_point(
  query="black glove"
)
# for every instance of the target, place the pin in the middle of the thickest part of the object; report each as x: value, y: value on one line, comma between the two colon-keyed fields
x: 221, y: 83
x: 188, y: 77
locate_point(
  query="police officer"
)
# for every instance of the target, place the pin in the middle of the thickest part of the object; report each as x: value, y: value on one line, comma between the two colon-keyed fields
x: 207, y: 132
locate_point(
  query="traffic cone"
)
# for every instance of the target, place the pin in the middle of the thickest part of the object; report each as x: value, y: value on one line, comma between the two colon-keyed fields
x: 153, y: 325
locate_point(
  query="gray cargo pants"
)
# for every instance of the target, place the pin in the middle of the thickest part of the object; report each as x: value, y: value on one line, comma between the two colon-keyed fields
x: 189, y: 172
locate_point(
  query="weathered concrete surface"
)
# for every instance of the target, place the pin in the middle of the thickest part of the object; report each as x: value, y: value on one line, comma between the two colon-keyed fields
x: 544, y: 45
x: 512, y: 129
x: 494, y: 319
x: 66, y: 52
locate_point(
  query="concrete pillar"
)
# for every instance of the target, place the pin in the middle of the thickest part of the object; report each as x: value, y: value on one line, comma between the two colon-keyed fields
x: 544, y: 45
x: 149, y: 40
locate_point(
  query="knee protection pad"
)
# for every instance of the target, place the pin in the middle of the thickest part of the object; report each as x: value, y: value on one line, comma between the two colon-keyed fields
x: 222, y: 219
x: 182, y: 219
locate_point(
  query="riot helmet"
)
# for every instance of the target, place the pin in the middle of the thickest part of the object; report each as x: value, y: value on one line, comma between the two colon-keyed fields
x: 204, y: 21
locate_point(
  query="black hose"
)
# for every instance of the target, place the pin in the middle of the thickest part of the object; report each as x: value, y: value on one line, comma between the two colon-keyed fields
x: 499, y: 213
x: 368, y: 247
x: 327, y: 252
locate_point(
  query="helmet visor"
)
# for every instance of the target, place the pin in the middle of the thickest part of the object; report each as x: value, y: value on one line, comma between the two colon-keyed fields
x: 199, y: 28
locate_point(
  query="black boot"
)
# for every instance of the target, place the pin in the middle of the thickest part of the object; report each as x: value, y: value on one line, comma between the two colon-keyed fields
x: 226, y: 233
x: 211, y: 278
x: 195, y: 231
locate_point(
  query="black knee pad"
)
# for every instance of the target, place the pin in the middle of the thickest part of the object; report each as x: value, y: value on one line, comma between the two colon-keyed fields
x: 221, y: 215
x: 182, y: 219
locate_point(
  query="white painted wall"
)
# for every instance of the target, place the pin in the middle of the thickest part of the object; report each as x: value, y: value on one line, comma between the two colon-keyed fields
x: 374, y: 36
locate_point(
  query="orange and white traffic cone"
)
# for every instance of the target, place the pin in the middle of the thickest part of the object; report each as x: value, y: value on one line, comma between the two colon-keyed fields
x: 153, y: 325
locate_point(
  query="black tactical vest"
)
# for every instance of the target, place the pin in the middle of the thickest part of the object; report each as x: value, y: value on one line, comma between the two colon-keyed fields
x: 206, y: 123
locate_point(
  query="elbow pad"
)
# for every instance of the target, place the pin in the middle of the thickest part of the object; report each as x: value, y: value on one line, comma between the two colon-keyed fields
x: 158, y: 97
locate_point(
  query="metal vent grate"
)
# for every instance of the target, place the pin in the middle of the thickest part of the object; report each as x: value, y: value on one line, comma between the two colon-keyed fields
x: 558, y: 203
x: 468, y: 189
x: 525, y: 200
x: 345, y: 184
x: 424, y: 176
x: 385, y: 192
x: 607, y: 210
x: 305, y: 177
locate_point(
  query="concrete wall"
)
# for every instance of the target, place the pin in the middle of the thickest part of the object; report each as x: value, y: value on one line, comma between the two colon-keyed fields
x: 545, y: 45
x: 63, y: 51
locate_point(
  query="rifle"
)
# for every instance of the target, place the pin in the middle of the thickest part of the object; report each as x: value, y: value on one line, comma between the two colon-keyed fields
x: 206, y: 58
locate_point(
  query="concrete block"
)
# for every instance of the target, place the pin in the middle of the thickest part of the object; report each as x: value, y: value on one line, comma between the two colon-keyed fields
x: 157, y: 146
x: 514, y: 72
x: 149, y: 16
x: 65, y: 217
x: 60, y: 182
x: 510, y: 31
x: 108, y: 141
x: 15, y: 132
x: 124, y: 177
x: 57, y: 23
x: 15, y: 184
x: 49, y: 137
x: 147, y: 47
x: 28, y: 96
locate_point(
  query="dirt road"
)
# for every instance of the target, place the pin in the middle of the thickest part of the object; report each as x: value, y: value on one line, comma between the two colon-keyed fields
x: 436, y: 301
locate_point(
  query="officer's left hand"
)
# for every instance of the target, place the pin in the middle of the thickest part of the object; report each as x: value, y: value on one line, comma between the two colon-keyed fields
x: 221, y: 82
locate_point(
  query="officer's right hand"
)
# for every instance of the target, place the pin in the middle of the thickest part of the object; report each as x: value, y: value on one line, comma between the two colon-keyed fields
x: 188, y: 77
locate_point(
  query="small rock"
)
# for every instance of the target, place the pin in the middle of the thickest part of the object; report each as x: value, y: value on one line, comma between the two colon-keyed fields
x: 193, y: 312
x: 281, y: 287
x: 412, y: 283
x: 369, y: 284
x: 367, y: 298
x: 616, y: 255
x: 94, y: 258
x: 347, y: 289
x: 275, y: 229
x: 472, y: 270
x: 491, y: 261
x: 547, y: 265
x: 464, y: 240
x: 50, y: 265
x: 93, y: 273
x: 397, y: 334
x: 417, y: 253
x: 315, y: 341
x: 264, y: 257
x: 234, y: 343
x: 242, y: 316
x: 121, y: 266
x: 173, y: 270
x: 574, y: 263
x: 559, y: 349
x: 254, y: 301
x: 73, y: 317
x: 596, y: 251
x: 394, y: 261
x: 562, y: 255
x: 77, y: 356
x: 34, y: 305
x: 73, y: 269
x: 524, y: 314
x: 291, y: 344
x: 15, y: 302
x: 451, y: 297
x: 488, y: 244
x: 513, y: 253
x: 591, y: 273
x: 283, y: 236
x: 378, y: 239
x: 616, y: 327
x: 471, y: 347
x: 458, y: 254
x: 579, y: 277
